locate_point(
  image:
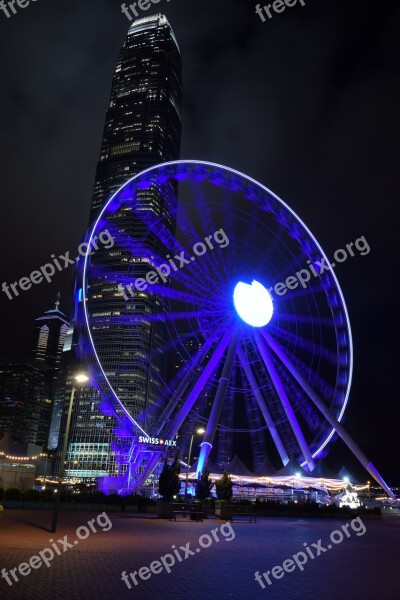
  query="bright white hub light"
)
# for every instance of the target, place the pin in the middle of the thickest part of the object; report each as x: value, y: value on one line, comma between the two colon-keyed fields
x: 253, y: 303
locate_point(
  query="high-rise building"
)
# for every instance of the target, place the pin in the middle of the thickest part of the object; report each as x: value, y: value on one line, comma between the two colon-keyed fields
x: 49, y: 336
x: 60, y: 393
x: 24, y: 404
x: 27, y: 390
x: 143, y: 121
x: 142, y: 129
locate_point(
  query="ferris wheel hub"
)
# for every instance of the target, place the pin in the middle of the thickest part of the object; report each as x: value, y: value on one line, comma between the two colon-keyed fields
x: 253, y: 303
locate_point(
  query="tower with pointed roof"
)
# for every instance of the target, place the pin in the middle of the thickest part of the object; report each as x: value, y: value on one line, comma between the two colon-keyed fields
x: 142, y: 129
x: 49, y: 336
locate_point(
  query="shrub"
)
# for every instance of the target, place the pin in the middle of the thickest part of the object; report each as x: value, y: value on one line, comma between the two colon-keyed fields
x: 47, y: 495
x: 31, y: 495
x: 99, y: 497
x: 114, y: 499
x: 204, y: 486
x: 12, y: 494
x: 169, y: 484
x: 224, y: 487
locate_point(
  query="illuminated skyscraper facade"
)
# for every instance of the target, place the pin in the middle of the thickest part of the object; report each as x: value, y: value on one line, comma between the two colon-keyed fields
x: 27, y: 390
x: 24, y: 404
x: 142, y: 129
x: 49, y: 336
x: 143, y: 121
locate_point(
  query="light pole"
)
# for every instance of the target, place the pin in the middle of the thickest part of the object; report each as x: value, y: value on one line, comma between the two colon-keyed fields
x: 45, y: 470
x: 198, y: 432
x: 80, y: 378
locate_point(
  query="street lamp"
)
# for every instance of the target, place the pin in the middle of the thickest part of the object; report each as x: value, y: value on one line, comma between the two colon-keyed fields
x: 199, y: 431
x: 44, y: 476
x: 79, y: 378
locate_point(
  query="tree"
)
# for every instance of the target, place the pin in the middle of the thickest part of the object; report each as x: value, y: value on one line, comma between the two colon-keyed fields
x: 204, y: 486
x: 223, y: 487
x: 169, y: 484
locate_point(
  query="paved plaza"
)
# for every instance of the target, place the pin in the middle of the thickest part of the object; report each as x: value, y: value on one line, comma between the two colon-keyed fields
x: 359, y: 567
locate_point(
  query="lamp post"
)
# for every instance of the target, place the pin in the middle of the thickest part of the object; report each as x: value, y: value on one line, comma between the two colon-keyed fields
x: 45, y: 470
x: 80, y: 378
x: 199, y: 431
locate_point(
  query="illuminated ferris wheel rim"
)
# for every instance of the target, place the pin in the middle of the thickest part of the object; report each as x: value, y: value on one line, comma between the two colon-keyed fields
x: 191, y: 163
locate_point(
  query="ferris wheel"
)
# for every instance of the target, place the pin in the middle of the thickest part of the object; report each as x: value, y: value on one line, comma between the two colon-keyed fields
x: 217, y: 305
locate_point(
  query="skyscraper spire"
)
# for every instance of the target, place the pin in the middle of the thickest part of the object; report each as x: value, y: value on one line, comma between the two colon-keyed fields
x: 58, y: 300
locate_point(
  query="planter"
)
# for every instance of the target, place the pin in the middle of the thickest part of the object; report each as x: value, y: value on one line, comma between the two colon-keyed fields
x: 220, y: 510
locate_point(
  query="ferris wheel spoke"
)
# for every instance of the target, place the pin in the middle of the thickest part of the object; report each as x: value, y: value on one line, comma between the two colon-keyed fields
x: 324, y: 410
x: 202, y: 206
x: 181, y: 383
x: 280, y: 390
x: 171, y: 242
x: 263, y: 407
x: 313, y: 287
x: 305, y: 344
x: 199, y: 384
x: 157, y: 227
x: 209, y: 270
x: 132, y: 320
x: 142, y: 251
x: 304, y: 319
x: 171, y: 293
x: 316, y: 379
x: 192, y: 313
x: 218, y: 403
x: 196, y: 332
x: 205, y: 269
x: 133, y: 246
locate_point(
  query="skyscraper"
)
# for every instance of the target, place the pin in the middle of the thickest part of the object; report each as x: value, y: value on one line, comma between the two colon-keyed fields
x: 24, y: 405
x: 142, y: 129
x: 143, y: 120
x: 27, y: 390
x: 49, y: 336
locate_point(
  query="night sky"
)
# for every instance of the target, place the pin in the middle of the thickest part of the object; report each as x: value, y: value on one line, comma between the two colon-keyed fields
x: 307, y: 103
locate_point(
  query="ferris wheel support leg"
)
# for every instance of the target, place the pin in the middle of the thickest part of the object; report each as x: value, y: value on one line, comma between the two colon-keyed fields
x: 218, y: 403
x: 197, y: 359
x: 264, y: 408
x: 280, y: 390
x: 149, y: 468
x: 198, y: 386
x: 322, y: 407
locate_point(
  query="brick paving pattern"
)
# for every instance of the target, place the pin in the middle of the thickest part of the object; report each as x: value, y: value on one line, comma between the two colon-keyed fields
x: 364, y: 567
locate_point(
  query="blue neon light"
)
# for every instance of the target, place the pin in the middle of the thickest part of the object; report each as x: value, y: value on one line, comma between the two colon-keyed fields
x: 200, y: 172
